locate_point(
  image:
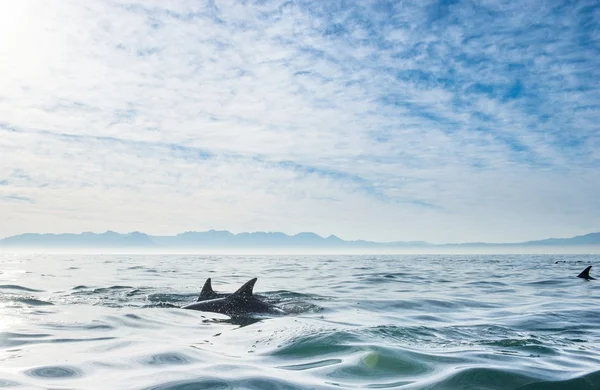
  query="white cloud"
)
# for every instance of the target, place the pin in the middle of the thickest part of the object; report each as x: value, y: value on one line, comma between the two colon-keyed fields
x: 363, y: 122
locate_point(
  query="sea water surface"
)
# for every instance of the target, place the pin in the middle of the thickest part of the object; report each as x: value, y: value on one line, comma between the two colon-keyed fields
x: 410, y: 322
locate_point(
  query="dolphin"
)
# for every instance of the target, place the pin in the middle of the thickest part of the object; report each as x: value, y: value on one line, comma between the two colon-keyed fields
x: 242, y: 302
x: 585, y: 274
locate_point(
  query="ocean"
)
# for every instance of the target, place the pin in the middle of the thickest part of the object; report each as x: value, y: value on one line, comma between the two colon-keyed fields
x: 407, y: 322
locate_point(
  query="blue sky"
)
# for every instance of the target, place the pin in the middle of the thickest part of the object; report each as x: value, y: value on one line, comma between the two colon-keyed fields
x: 443, y: 121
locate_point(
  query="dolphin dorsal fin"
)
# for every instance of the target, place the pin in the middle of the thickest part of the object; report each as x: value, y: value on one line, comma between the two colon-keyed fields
x: 207, y: 291
x: 246, y: 289
x: 585, y: 273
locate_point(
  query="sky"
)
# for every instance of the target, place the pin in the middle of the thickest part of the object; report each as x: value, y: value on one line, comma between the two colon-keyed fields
x: 443, y: 121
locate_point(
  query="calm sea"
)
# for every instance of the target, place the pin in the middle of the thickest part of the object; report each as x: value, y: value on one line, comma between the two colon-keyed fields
x: 410, y: 322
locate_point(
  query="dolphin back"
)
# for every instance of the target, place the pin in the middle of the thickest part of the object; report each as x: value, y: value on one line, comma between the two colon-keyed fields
x: 242, y: 302
x: 585, y: 274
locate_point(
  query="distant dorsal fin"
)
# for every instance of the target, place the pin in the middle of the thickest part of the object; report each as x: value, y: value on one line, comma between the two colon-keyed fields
x: 207, y: 291
x: 586, y: 273
x: 246, y: 289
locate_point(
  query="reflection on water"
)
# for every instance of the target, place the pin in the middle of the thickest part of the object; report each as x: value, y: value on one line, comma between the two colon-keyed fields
x: 411, y: 322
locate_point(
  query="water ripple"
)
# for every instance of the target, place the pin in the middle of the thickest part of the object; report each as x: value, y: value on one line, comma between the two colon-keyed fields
x: 17, y: 287
x: 8, y: 383
x: 171, y: 358
x: 54, y: 372
x: 412, y: 322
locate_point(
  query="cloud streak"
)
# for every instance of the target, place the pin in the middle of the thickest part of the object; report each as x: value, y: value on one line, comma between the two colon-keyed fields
x: 380, y: 120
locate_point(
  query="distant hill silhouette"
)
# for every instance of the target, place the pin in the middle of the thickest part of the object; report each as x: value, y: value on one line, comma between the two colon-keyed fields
x: 587, y: 239
x: 84, y: 240
x: 214, y: 239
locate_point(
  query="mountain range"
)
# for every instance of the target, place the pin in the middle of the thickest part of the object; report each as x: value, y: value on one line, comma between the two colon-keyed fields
x: 215, y: 239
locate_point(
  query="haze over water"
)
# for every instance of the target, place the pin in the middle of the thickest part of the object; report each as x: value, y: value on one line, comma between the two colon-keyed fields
x: 411, y: 322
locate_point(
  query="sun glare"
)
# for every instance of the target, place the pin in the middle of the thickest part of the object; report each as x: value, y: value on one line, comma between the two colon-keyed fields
x: 24, y: 39
x: 15, y: 24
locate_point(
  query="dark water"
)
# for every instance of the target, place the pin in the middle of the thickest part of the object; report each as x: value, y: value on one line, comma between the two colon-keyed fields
x: 411, y: 322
